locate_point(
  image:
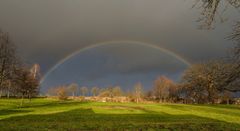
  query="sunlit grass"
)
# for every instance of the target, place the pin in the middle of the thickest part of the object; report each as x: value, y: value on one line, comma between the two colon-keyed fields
x: 51, y: 114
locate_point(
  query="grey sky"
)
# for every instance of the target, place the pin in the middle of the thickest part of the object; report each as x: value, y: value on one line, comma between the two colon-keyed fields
x: 46, y: 31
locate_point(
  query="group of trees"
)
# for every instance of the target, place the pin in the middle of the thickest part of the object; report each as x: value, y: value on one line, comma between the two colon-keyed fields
x: 16, y: 79
x: 201, y: 83
x: 210, y: 81
x: 206, y: 82
x: 74, y: 90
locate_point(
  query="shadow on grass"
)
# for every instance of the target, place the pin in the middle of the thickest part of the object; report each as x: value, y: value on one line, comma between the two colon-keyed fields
x: 219, y: 106
x: 86, y: 119
x: 220, y: 109
x: 5, y: 112
x: 53, y: 104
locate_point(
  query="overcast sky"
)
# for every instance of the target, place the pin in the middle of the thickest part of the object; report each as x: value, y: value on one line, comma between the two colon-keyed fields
x: 46, y: 31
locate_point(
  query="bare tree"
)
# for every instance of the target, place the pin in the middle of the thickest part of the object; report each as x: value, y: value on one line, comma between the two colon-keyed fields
x: 234, y: 3
x: 117, y: 91
x: 62, y: 92
x: 210, y: 10
x: 138, y: 89
x: 84, y: 91
x: 206, y: 81
x: 95, y: 91
x: 73, y: 89
x: 107, y: 92
x: 26, y: 84
x: 161, y: 88
x: 104, y: 92
x: 173, y: 92
x: 7, y: 61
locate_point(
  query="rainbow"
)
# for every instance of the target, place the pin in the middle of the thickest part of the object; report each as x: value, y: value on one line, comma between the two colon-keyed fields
x: 177, y: 56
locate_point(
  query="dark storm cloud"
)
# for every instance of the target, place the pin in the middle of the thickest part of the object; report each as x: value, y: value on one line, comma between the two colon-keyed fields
x: 47, y: 30
x: 121, y: 64
x: 139, y: 58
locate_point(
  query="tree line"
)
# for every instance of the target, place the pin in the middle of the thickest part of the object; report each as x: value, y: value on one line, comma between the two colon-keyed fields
x: 17, y: 79
x: 201, y: 83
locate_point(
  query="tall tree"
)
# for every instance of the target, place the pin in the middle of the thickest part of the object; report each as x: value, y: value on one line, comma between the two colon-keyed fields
x: 234, y: 76
x: 7, y: 60
x: 205, y: 81
x: 211, y: 10
x: 161, y: 88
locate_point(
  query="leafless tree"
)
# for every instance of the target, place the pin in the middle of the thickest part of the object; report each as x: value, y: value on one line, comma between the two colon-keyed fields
x: 62, y: 92
x: 26, y: 84
x: 84, y: 91
x: 207, y: 80
x: 117, y: 91
x: 95, y: 91
x: 173, y: 92
x: 7, y: 61
x: 210, y: 10
x: 73, y: 89
x: 161, y: 88
x: 138, y: 91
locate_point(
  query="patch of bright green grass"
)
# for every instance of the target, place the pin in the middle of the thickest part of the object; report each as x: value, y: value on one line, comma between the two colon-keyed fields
x: 50, y: 114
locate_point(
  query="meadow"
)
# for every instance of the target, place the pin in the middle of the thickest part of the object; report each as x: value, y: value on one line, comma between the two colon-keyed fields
x: 51, y: 115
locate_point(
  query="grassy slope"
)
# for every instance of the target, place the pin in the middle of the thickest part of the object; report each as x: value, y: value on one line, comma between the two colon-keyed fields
x: 46, y: 114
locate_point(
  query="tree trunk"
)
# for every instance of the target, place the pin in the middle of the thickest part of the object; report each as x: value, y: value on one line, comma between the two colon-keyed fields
x: 8, y: 94
x: 30, y: 97
x: 8, y: 91
x: 0, y: 93
x: 22, y: 100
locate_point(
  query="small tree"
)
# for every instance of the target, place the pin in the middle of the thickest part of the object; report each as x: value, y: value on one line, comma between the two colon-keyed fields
x: 26, y: 84
x: 73, y: 89
x: 117, y: 91
x: 162, y: 87
x: 138, y: 92
x: 84, y: 91
x: 105, y: 92
x: 62, y: 93
x: 95, y: 91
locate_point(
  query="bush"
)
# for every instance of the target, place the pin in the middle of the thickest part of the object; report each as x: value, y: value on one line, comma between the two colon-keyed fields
x: 62, y: 93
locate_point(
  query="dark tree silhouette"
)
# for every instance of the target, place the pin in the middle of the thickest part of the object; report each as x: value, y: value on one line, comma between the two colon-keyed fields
x: 7, y: 61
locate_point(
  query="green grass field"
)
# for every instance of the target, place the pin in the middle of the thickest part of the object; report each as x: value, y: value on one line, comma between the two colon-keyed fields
x: 49, y: 114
